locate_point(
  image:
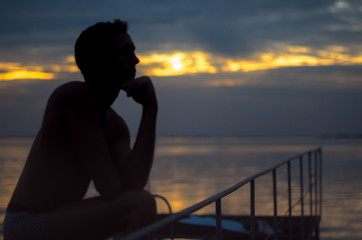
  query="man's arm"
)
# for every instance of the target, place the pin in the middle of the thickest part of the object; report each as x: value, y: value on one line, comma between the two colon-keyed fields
x: 138, y: 165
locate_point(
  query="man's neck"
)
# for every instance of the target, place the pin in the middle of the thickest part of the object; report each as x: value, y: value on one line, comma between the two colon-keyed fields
x: 104, y: 95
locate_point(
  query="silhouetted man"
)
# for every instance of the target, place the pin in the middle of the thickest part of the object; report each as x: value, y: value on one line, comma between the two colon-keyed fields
x: 82, y: 139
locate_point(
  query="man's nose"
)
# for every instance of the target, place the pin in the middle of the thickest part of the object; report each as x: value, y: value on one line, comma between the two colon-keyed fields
x: 136, y: 59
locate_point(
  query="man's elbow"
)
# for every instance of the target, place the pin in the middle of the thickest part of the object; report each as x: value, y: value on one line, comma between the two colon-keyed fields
x: 109, y: 192
x: 137, y: 184
x: 109, y: 195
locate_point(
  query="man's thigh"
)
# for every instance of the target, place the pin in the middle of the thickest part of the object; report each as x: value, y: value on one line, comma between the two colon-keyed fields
x: 99, y: 218
x: 25, y: 225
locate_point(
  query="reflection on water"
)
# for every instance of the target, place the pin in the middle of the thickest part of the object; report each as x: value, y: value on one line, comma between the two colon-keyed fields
x: 188, y: 170
x: 12, y: 155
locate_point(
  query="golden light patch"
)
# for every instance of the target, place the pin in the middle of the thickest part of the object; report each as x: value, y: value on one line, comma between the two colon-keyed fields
x: 292, y: 56
x: 181, y: 63
x: 357, y: 60
x: 14, y: 71
x: 298, y: 49
x: 195, y: 62
x: 70, y: 59
x: 9, y: 66
x: 225, y: 83
x: 63, y: 68
x: 69, y: 66
x: 176, y: 63
x: 25, y: 75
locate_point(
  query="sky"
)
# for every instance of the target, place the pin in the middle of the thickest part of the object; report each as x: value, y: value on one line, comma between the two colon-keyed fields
x: 220, y: 68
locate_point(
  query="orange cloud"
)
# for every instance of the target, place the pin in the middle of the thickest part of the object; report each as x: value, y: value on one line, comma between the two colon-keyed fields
x: 265, y: 62
x: 181, y: 63
x: 177, y: 63
x: 25, y: 75
x: 226, y: 83
x: 194, y: 62
x: 293, y: 56
x: 14, y: 70
x: 63, y: 68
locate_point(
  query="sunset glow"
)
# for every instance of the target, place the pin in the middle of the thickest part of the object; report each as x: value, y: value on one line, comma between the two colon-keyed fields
x: 25, y: 75
x: 181, y: 63
x: 195, y: 62
x: 293, y: 56
x: 177, y: 63
x: 13, y: 70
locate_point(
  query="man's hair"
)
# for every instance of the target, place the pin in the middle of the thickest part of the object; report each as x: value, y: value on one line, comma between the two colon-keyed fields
x: 92, y: 43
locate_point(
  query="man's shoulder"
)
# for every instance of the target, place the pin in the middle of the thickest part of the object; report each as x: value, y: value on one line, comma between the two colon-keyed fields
x: 68, y: 92
x: 69, y: 88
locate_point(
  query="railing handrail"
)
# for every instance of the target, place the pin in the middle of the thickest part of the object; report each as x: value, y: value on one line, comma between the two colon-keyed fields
x: 214, y: 198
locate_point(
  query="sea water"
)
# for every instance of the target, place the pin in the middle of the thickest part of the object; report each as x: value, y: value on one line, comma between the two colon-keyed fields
x: 187, y: 170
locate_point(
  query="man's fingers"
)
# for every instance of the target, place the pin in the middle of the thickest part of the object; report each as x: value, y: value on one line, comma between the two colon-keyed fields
x: 135, y: 85
x: 141, y: 90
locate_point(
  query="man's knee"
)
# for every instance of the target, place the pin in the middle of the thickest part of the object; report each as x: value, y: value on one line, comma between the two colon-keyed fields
x: 145, y: 205
x: 140, y: 209
x: 136, y: 202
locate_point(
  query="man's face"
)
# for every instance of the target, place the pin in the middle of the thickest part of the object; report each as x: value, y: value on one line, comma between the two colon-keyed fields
x: 122, y: 59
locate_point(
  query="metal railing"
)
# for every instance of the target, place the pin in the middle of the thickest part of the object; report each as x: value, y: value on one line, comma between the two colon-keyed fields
x: 314, y: 190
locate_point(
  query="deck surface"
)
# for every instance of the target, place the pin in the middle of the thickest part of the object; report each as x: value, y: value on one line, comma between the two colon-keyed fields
x: 238, y: 227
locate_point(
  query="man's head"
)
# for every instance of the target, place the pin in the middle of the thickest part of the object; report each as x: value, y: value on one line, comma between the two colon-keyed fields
x: 101, y: 50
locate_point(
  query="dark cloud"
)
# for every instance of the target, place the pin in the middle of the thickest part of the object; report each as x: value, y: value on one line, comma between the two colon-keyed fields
x: 255, y: 31
x: 243, y: 27
x: 223, y: 27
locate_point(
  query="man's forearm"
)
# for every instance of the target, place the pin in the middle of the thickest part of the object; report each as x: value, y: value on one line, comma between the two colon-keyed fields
x: 141, y: 157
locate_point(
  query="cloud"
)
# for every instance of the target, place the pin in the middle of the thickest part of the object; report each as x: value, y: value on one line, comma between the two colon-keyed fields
x: 319, y: 77
x: 176, y: 63
x: 25, y: 75
x: 16, y: 70
x: 280, y: 56
x: 241, y: 28
x: 226, y: 28
x: 197, y: 62
x: 249, y: 66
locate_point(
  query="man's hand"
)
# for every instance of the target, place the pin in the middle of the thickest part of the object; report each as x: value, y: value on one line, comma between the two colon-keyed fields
x: 142, y: 91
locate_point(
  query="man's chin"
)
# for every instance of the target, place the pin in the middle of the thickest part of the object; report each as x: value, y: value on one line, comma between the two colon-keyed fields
x: 129, y: 75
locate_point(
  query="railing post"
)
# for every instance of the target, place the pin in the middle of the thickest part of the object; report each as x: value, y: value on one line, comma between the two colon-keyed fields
x: 320, y: 182
x: 301, y: 197
x: 316, y: 183
x: 310, y: 183
x: 275, y: 200
x: 218, y: 219
x: 252, y: 209
x: 290, y: 201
